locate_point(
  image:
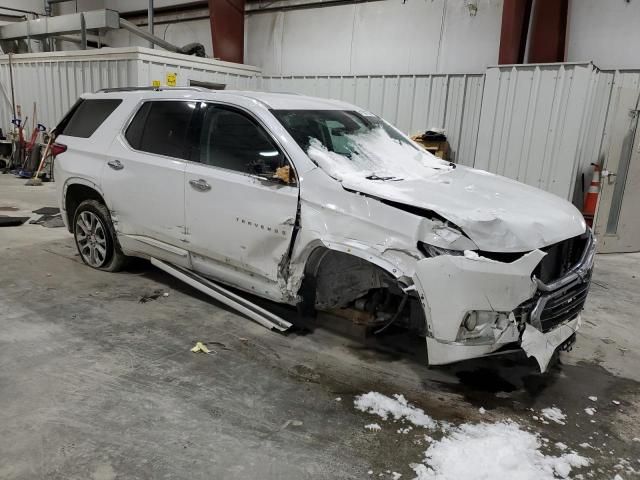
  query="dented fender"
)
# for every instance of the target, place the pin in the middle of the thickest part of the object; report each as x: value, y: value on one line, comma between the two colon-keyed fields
x: 450, y: 286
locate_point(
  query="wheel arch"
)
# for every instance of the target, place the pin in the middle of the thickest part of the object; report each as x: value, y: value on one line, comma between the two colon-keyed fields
x: 76, y: 190
x: 322, y: 253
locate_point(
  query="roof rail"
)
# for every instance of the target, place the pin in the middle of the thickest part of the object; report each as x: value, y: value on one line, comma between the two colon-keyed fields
x: 157, y: 89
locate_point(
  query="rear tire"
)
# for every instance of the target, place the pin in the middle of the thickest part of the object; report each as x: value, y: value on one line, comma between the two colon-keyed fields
x: 96, y: 238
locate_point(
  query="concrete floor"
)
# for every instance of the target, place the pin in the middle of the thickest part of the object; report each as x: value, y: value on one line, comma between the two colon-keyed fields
x: 95, y: 384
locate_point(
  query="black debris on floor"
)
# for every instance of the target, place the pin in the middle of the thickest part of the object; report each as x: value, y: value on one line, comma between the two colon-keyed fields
x: 47, y: 211
x: 6, y: 221
x: 49, y: 221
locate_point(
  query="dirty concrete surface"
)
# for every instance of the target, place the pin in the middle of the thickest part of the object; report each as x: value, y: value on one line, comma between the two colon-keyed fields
x: 96, y: 384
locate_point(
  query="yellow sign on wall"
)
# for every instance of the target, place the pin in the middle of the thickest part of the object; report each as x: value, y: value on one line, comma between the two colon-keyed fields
x: 155, y: 83
x: 171, y: 79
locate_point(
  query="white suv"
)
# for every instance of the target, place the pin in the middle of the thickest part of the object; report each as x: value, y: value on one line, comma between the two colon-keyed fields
x: 320, y: 204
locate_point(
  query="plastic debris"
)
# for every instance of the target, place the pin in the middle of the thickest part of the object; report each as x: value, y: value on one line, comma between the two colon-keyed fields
x: 200, y: 347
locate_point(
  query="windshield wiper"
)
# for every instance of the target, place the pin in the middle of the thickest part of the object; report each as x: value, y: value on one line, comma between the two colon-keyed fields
x: 373, y: 176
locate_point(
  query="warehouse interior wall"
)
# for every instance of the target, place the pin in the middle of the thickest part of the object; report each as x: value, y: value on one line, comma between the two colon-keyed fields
x: 379, y: 37
x: 383, y: 37
x: 607, y: 33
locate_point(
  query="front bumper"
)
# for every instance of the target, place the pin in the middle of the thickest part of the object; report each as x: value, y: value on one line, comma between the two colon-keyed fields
x: 542, y: 316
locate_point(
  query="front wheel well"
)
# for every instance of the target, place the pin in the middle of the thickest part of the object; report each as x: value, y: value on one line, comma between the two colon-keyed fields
x: 76, y: 194
x: 352, y: 287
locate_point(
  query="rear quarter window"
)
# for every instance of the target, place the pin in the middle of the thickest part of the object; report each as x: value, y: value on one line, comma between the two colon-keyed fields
x: 86, y: 116
x: 163, y: 127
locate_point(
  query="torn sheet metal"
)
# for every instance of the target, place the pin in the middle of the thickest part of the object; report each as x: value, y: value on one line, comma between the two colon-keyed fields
x: 542, y: 346
x: 251, y: 310
x: 454, y: 285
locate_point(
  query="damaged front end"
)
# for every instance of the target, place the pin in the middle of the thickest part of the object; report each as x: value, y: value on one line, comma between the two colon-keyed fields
x: 476, y: 306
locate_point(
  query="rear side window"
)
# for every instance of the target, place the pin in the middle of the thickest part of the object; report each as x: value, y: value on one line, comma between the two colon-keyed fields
x: 162, y: 127
x: 86, y: 116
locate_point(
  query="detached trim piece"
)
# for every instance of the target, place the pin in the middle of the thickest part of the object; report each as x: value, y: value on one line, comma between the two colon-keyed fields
x: 251, y: 310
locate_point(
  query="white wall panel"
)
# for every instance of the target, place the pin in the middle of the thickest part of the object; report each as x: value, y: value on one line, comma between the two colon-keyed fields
x: 413, y: 103
x: 319, y: 44
x: 387, y: 37
x: 605, y: 32
x: 532, y: 123
x: 391, y: 38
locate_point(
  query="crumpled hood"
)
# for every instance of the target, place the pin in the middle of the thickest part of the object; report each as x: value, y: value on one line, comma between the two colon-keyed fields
x: 498, y: 214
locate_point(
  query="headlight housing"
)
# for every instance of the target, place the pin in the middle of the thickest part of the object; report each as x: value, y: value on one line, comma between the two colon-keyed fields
x: 481, y: 327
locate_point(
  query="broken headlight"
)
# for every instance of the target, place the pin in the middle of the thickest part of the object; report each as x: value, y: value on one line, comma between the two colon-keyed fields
x: 433, y: 251
x: 481, y: 327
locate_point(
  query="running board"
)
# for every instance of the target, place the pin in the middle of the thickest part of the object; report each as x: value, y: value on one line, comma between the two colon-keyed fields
x: 215, y: 291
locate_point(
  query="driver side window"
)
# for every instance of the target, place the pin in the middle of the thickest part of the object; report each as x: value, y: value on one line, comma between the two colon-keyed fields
x: 231, y: 139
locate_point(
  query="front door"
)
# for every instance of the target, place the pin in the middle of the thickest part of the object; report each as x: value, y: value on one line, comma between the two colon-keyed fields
x: 143, y: 178
x: 618, y: 217
x: 237, y: 214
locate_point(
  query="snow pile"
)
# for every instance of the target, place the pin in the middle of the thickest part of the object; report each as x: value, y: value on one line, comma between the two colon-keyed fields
x: 554, y: 414
x: 590, y: 410
x: 500, y: 450
x: 375, y: 153
x: 373, y: 427
x: 497, y: 450
x: 396, y: 407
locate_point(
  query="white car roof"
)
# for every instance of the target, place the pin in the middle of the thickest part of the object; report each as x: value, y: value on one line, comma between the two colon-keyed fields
x: 276, y: 101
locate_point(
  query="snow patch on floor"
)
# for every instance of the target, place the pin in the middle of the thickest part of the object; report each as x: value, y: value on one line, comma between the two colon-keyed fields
x: 396, y: 407
x: 554, y: 414
x: 490, y: 450
x: 590, y: 410
x: 494, y: 450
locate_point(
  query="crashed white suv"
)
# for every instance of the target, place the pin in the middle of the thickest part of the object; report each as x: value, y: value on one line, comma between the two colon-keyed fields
x: 320, y: 204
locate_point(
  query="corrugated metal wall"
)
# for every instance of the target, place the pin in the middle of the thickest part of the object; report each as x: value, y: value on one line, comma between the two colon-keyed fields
x: 55, y: 83
x: 413, y: 103
x: 55, y: 80
x: 533, y: 122
x: 154, y: 65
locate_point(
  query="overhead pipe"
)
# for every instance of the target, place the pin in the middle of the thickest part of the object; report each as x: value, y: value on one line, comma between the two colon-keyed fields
x: 150, y: 21
x: 133, y: 28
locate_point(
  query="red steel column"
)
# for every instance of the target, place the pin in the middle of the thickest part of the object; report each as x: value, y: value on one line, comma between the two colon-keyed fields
x: 548, y: 31
x: 513, y: 34
x: 227, y: 29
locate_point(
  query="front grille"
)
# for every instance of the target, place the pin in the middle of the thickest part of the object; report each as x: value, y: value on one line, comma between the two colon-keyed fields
x: 558, y: 307
x: 563, y: 298
x: 565, y: 306
x: 560, y: 258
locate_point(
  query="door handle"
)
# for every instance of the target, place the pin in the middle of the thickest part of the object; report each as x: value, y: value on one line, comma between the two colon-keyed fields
x: 115, y: 164
x: 200, y: 185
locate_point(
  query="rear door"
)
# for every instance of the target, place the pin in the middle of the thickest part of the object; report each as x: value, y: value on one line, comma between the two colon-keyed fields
x: 237, y: 214
x: 143, y: 179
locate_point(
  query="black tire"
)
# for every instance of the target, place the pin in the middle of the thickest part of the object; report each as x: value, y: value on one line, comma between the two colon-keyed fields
x: 96, y: 238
